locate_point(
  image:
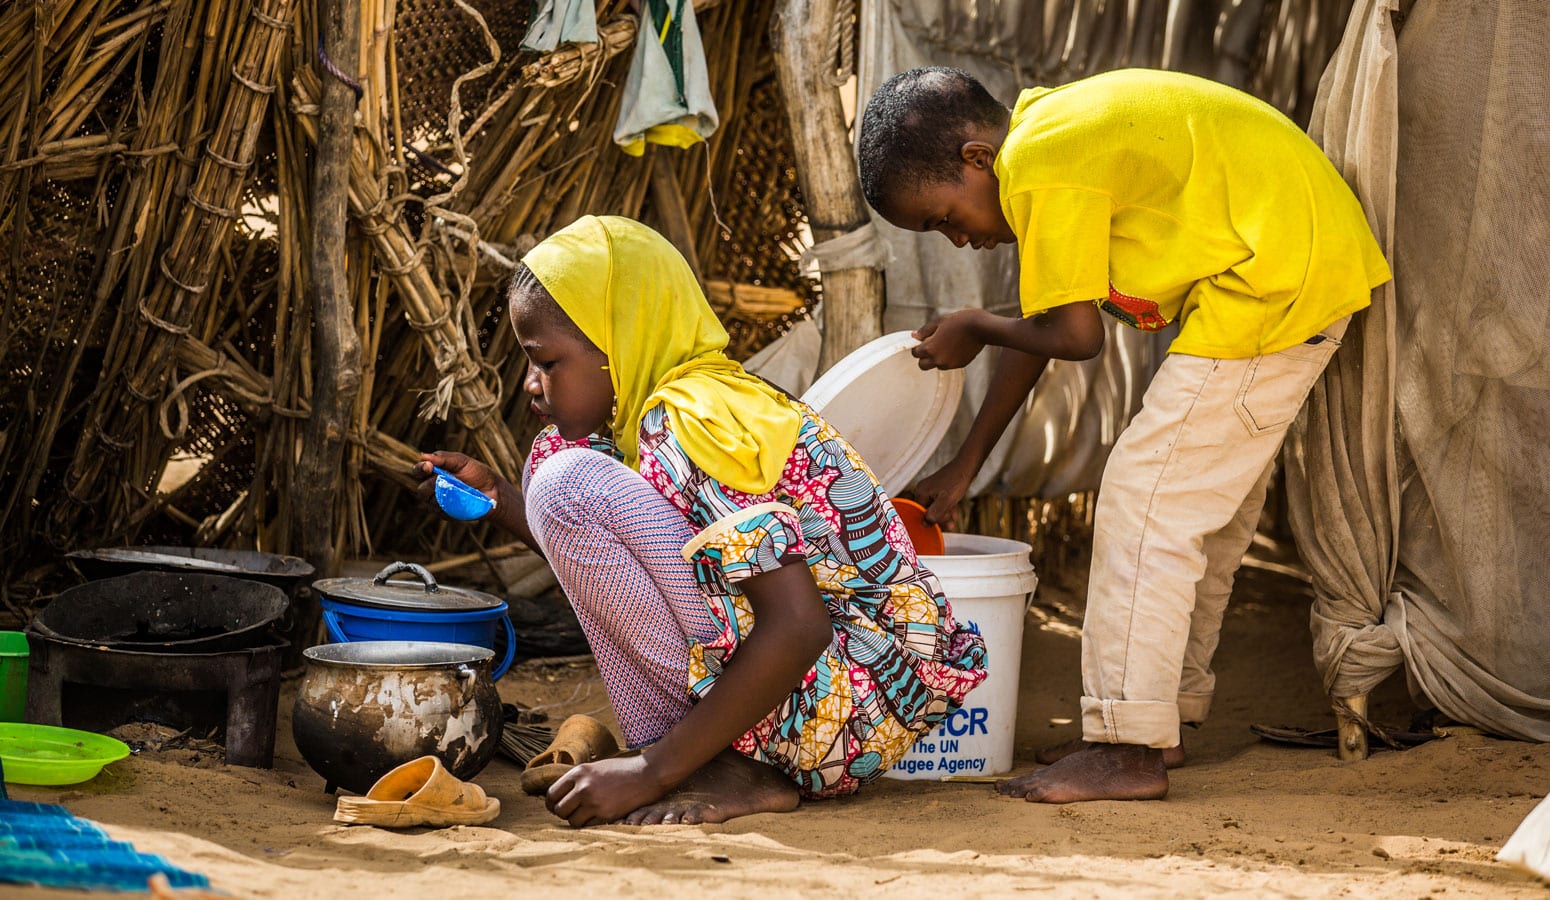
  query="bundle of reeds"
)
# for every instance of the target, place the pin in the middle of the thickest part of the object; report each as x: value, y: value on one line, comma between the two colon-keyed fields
x: 520, y: 741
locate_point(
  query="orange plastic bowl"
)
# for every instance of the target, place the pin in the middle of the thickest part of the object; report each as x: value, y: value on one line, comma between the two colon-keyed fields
x: 926, y: 537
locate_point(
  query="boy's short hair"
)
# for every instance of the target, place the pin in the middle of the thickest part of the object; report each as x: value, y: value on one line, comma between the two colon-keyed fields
x: 915, y: 126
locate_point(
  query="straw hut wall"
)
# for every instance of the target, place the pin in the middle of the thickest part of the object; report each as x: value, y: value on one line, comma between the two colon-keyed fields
x: 155, y: 194
x: 169, y: 244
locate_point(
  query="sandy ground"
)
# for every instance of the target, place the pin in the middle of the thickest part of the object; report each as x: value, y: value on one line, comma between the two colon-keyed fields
x: 1244, y: 817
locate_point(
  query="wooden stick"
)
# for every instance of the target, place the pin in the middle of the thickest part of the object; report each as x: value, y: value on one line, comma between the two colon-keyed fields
x: 853, y: 298
x: 1351, y: 725
x: 335, y: 344
x: 668, y: 197
x: 386, y: 455
x: 515, y: 548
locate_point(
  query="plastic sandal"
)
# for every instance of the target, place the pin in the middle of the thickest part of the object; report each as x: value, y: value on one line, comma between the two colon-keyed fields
x: 419, y: 792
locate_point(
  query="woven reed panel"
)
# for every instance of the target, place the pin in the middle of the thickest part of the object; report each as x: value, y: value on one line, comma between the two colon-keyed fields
x: 47, y: 295
x: 436, y: 42
x: 765, y: 217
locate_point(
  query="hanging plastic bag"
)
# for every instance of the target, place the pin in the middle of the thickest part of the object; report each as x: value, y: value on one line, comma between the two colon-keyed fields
x: 667, y: 95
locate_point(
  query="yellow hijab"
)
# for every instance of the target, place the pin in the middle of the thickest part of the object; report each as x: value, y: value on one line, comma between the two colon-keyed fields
x: 633, y: 295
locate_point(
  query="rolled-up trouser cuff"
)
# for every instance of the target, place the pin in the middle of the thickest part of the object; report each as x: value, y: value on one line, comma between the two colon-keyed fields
x: 1149, y: 723
x: 1194, y: 708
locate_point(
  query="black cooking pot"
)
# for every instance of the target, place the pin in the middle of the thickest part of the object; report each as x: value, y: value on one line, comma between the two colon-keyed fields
x: 164, y: 612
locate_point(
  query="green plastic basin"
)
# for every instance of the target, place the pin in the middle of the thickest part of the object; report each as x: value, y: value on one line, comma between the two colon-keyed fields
x: 44, y: 754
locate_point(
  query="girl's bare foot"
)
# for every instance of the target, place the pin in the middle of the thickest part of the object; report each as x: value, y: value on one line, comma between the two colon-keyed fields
x: 1173, y: 757
x: 1098, y: 772
x: 728, y: 786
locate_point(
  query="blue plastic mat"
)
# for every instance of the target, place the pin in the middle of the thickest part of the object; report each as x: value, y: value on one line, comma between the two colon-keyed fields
x: 44, y: 844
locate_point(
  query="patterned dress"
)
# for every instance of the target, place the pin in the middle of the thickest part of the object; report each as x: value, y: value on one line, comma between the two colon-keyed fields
x: 898, y: 663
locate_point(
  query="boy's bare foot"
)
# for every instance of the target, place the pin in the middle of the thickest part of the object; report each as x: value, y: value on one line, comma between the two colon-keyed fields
x: 1099, y: 772
x: 1173, y: 757
x: 728, y: 786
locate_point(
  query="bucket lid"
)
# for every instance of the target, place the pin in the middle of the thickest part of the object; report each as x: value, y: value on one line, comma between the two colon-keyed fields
x: 893, y: 413
x: 424, y: 595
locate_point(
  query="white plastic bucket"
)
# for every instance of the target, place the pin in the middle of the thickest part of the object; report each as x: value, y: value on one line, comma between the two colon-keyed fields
x: 988, y: 581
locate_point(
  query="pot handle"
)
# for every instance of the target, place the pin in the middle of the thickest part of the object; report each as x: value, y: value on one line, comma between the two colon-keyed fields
x: 336, y: 634
x: 468, y: 677
x: 419, y: 572
x: 511, y: 649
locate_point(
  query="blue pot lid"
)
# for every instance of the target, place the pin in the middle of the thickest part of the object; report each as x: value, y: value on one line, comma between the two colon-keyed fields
x: 422, y: 595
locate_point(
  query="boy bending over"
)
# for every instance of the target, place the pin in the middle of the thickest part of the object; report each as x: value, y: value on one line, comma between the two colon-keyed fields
x: 1155, y: 197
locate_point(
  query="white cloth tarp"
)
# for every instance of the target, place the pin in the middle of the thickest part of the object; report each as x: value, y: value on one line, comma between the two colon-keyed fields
x: 1419, y: 475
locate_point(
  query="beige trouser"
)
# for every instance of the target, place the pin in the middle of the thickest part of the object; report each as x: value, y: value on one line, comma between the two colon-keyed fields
x: 1177, y: 509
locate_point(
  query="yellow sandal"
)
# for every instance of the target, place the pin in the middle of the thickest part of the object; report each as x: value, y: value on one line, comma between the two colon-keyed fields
x: 420, y: 792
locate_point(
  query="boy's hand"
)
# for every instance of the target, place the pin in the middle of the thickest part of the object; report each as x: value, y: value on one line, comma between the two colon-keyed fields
x: 465, y: 468
x: 941, y: 491
x: 951, y: 342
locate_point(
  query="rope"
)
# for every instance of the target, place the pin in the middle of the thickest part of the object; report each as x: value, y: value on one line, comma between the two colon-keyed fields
x: 250, y: 84
x: 406, y: 267
x: 431, y: 325
x: 374, y: 227
x: 232, y: 164
x: 138, y: 394
x: 380, y: 218
x: 710, y: 192
x: 473, y: 418
x: 330, y: 68
x: 842, y: 44
x: 161, y: 415
x: 271, y: 21
x: 1373, y: 729
x: 112, y: 443
x: 161, y: 323
x: 220, y: 211
x: 175, y: 396
x: 482, y: 368
x: 167, y: 273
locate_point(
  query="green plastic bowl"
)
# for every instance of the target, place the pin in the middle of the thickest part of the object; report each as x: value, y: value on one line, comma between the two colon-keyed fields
x: 44, y: 754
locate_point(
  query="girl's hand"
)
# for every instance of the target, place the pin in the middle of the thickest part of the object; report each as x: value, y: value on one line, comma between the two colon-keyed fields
x: 951, y: 342
x: 510, y: 509
x: 465, y: 468
x: 597, y: 793
x: 772, y: 661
